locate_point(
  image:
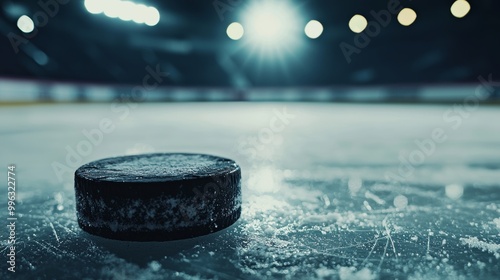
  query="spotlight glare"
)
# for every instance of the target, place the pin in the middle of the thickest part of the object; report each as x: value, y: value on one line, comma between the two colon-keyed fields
x: 313, y: 29
x: 124, y: 10
x: 127, y: 10
x: 407, y: 16
x: 111, y: 8
x: 460, y: 8
x: 153, y: 17
x: 141, y: 13
x: 235, y: 31
x: 358, y: 23
x: 271, y: 24
x: 25, y: 24
x: 94, y: 6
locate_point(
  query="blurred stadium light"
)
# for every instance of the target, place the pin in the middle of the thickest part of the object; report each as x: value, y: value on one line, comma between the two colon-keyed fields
x: 358, y: 23
x: 313, y: 29
x: 235, y: 31
x: 407, y: 16
x: 25, y: 24
x: 124, y: 10
x: 271, y: 25
x: 243, y: 49
x: 460, y: 8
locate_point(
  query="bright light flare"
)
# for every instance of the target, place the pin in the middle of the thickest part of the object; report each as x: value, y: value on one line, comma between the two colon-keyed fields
x: 128, y: 10
x: 407, y: 16
x: 460, y: 8
x: 112, y: 8
x: 454, y: 191
x: 153, y: 17
x: 313, y: 29
x: 235, y: 31
x: 141, y: 13
x: 25, y: 24
x: 94, y: 6
x: 124, y: 10
x: 271, y: 24
x: 358, y: 23
x: 265, y: 180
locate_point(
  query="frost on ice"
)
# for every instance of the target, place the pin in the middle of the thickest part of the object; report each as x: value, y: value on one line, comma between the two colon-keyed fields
x: 329, y: 227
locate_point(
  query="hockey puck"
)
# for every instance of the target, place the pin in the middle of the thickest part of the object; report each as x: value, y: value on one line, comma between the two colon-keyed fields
x: 157, y: 197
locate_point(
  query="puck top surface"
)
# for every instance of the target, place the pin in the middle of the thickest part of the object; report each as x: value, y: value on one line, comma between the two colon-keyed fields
x: 156, y: 168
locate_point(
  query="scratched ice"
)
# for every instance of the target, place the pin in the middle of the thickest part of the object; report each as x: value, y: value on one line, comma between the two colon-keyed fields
x: 305, y: 214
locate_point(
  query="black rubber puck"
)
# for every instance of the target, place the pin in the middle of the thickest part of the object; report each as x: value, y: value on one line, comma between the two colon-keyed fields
x: 157, y: 197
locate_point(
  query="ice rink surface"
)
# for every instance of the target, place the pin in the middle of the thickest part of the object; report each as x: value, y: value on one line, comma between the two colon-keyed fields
x: 331, y: 191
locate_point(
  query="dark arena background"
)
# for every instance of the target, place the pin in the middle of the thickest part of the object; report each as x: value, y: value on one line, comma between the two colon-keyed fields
x: 367, y: 132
